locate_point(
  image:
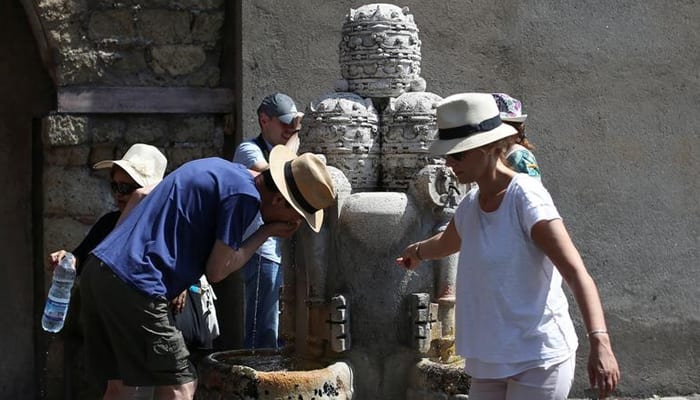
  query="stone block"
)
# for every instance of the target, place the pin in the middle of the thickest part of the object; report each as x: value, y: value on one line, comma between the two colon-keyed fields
x: 66, y: 34
x: 207, y: 76
x: 177, y: 60
x: 64, y: 130
x: 63, y: 233
x: 68, y: 155
x: 101, y: 152
x: 56, y: 11
x: 164, y: 26
x: 78, y: 66
x: 145, y: 129
x: 206, y: 28
x: 192, y: 129
x: 106, y: 129
x: 129, y: 61
x: 111, y: 24
x: 180, y: 154
x: 422, y: 315
x: 422, y: 331
x: 337, y: 330
x: 73, y: 191
x: 339, y: 315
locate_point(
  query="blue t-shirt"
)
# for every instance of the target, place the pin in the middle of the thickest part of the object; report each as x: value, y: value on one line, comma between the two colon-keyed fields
x: 162, y: 246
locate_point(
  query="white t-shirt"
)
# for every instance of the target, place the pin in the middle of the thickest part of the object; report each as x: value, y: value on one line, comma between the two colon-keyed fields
x: 248, y: 153
x: 511, y: 312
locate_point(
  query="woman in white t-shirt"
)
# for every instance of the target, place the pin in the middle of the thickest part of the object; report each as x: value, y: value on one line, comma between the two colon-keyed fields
x: 513, y: 323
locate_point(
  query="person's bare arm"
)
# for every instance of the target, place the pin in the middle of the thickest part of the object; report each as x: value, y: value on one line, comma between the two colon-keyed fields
x: 223, y: 260
x: 259, y: 166
x: 293, y: 143
x: 438, y: 246
x: 553, y: 239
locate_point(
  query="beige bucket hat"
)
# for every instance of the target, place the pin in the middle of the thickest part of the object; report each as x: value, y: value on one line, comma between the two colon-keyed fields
x: 304, y: 182
x: 144, y: 163
x: 467, y: 121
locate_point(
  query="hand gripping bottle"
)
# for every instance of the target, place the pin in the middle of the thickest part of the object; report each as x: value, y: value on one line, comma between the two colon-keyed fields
x: 59, y: 295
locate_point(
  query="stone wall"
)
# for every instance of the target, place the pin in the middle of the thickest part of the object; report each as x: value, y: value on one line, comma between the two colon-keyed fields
x: 135, y: 43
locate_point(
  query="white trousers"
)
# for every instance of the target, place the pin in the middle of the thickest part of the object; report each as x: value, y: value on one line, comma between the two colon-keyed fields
x: 551, y: 383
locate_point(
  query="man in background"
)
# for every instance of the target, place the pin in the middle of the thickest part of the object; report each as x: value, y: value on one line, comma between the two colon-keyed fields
x: 280, y: 123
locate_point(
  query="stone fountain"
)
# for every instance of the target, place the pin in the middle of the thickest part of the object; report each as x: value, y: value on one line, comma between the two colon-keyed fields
x: 355, y: 324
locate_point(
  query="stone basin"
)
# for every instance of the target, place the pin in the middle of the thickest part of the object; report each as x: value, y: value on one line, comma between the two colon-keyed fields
x: 434, y: 379
x: 270, y: 375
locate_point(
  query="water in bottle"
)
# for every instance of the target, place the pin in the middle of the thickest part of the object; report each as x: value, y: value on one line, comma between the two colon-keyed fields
x: 59, y: 295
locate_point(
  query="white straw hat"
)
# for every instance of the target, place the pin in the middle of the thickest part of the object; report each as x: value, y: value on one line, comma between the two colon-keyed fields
x: 467, y: 121
x: 144, y: 163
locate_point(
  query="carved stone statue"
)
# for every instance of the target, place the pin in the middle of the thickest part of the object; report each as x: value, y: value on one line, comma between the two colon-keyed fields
x: 380, y: 52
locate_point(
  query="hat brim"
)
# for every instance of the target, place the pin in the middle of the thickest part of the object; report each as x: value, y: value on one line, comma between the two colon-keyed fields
x: 287, y: 118
x: 521, y: 118
x: 279, y: 156
x: 127, y: 168
x: 442, y: 147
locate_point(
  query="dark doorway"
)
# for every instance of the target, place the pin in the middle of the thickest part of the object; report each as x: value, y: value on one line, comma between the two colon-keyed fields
x: 26, y: 93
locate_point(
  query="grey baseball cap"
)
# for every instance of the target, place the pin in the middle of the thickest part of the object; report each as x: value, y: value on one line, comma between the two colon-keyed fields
x: 279, y: 105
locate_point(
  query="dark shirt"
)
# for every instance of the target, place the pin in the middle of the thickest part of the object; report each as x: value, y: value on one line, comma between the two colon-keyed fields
x: 97, y: 233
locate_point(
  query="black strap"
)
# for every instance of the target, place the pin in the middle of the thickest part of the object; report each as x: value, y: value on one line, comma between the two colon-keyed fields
x: 292, y: 185
x: 263, y: 147
x: 468, y: 130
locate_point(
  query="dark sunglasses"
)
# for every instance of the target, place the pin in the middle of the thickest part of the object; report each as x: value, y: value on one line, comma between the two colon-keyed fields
x: 456, y: 156
x: 124, y: 188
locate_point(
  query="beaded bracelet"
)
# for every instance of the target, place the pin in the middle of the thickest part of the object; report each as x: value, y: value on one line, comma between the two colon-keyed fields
x: 597, y: 332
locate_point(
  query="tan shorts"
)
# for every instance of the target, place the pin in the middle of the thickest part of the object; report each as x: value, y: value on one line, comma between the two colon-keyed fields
x: 129, y: 336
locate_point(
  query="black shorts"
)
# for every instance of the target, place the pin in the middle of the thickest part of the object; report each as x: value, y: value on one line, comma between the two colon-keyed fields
x: 130, y: 336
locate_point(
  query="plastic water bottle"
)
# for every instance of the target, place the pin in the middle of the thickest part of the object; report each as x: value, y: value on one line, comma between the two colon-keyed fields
x: 59, y: 295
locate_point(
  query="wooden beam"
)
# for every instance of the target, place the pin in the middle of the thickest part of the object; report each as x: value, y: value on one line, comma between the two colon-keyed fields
x: 42, y: 42
x: 145, y: 100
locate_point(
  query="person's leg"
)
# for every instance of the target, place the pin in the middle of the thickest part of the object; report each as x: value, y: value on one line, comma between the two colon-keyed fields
x: 150, y: 351
x: 100, y: 360
x: 176, y: 392
x: 263, y: 280
x: 551, y: 383
x: 487, y: 389
x: 269, y: 304
x: 250, y: 277
x: 116, y: 390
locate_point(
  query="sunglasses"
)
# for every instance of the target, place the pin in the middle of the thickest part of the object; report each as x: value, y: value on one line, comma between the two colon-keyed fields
x: 123, y: 188
x: 456, y: 156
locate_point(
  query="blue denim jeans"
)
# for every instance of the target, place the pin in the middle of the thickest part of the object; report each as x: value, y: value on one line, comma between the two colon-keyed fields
x: 263, y: 279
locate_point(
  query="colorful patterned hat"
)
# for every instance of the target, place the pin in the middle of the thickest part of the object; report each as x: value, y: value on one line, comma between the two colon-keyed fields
x: 510, y: 108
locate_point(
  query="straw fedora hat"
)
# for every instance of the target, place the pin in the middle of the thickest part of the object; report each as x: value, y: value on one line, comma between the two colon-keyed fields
x: 144, y: 163
x: 467, y: 121
x: 304, y: 182
x: 511, y: 109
